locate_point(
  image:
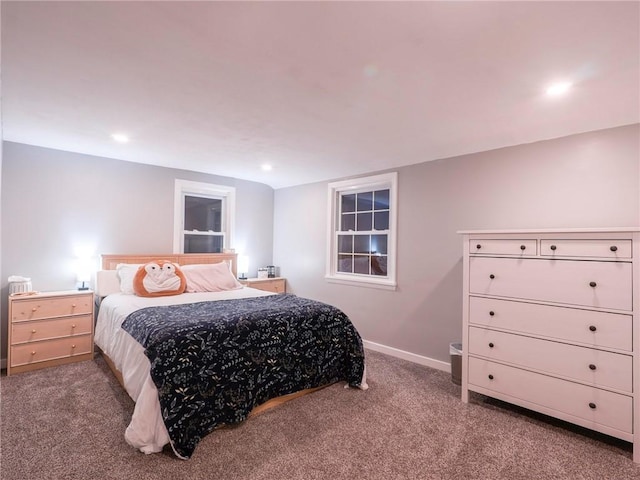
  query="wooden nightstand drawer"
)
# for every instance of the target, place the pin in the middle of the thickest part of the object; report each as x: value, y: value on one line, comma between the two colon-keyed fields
x: 275, y: 285
x: 29, y: 308
x: 27, y: 353
x: 23, y: 332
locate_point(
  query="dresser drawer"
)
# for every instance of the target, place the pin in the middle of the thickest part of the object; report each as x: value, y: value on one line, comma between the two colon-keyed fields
x: 503, y: 247
x: 600, y: 329
x: 34, y: 309
x: 575, y: 282
x: 27, y: 353
x: 22, y: 332
x: 586, y: 248
x: 607, y: 409
x: 595, y: 367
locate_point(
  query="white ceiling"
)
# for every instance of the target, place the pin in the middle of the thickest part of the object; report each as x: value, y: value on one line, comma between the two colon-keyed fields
x: 320, y: 90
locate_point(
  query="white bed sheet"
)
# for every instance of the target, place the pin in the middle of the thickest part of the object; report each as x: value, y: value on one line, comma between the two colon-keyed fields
x: 146, y: 431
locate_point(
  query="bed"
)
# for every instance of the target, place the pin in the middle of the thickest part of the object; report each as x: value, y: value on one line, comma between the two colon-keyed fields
x: 196, y: 361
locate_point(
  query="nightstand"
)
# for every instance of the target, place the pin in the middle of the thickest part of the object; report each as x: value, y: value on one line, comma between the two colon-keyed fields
x: 275, y: 285
x: 48, y: 329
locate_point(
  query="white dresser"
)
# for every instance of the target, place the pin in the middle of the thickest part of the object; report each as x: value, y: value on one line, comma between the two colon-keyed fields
x: 551, y: 323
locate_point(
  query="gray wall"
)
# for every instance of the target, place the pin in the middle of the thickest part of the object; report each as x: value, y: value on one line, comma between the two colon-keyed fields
x: 587, y: 180
x: 53, y: 201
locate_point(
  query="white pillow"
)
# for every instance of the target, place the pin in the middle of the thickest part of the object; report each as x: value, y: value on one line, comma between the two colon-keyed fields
x: 215, y: 277
x: 126, y: 272
x: 107, y: 282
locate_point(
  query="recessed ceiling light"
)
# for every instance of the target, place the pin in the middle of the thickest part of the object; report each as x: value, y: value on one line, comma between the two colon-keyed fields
x: 559, y: 88
x: 266, y: 167
x: 120, y: 137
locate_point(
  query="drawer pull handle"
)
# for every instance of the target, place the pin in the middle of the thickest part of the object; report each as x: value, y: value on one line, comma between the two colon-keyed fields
x: 478, y: 246
x: 73, y: 326
x: 490, y: 377
x: 492, y: 313
x: 613, y: 248
x: 592, y: 328
x: 34, y: 309
x: 33, y: 331
x: 592, y: 366
x: 522, y: 247
x: 490, y: 344
x: 73, y: 305
x: 592, y: 284
x: 592, y: 405
x: 33, y: 352
x: 553, y: 247
x: 73, y: 346
x: 492, y: 276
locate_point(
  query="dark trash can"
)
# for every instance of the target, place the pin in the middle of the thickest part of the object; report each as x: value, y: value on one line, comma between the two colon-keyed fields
x: 455, y: 352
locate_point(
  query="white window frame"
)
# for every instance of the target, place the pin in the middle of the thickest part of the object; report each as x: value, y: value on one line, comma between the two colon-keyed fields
x: 188, y: 188
x: 375, y: 182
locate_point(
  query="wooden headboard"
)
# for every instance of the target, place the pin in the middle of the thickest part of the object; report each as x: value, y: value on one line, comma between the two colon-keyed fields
x: 109, y: 261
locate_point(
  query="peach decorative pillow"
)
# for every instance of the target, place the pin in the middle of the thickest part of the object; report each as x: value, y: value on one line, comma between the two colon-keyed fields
x: 215, y: 277
x: 159, y: 278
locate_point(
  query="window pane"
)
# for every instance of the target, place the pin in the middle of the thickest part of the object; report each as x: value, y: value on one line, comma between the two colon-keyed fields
x: 203, y: 243
x: 381, y: 220
x: 381, y: 200
x: 349, y: 203
x: 361, y: 244
x: 365, y: 201
x: 345, y: 244
x: 365, y: 222
x: 202, y: 214
x: 379, y: 265
x: 361, y: 264
x: 379, y: 244
x: 345, y: 263
x: 348, y: 222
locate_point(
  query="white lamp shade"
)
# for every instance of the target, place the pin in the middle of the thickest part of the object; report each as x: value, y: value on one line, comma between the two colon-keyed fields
x: 84, y: 269
x: 243, y: 264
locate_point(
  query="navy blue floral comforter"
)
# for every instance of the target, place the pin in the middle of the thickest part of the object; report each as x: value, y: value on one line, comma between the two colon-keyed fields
x: 213, y: 362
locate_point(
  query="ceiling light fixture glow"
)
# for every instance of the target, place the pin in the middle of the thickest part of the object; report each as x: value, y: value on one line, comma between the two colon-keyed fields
x: 559, y: 88
x: 266, y: 167
x: 120, y: 137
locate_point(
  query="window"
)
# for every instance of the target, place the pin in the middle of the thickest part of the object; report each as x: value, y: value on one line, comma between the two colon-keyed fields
x: 362, y: 225
x: 203, y: 217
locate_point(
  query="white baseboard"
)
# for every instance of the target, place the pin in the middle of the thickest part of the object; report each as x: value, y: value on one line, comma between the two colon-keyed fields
x: 411, y: 357
x: 394, y: 352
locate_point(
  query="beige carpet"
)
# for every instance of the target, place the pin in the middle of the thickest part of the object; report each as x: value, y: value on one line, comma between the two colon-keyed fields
x: 68, y: 423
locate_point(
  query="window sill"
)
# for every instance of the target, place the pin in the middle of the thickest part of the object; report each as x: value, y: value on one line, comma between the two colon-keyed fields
x: 362, y: 282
